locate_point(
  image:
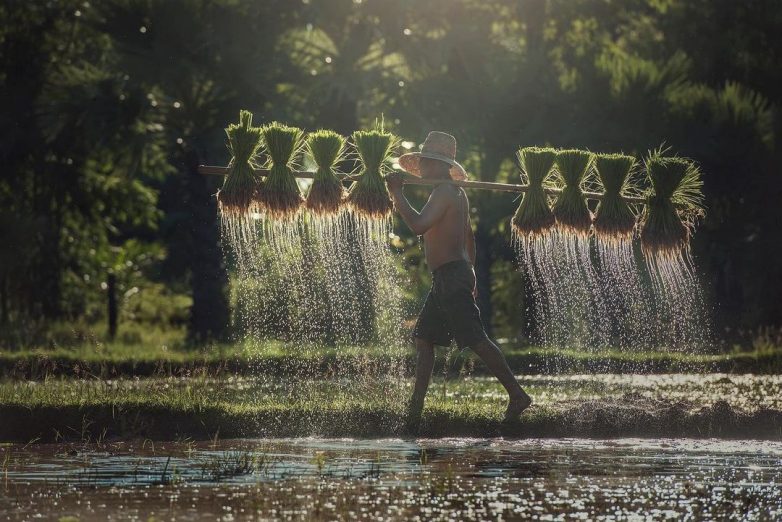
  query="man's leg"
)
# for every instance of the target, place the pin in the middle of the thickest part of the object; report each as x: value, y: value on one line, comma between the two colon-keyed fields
x: 495, y: 361
x: 423, y: 374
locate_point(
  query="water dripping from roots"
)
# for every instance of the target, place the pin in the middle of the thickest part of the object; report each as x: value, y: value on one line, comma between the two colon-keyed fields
x: 629, y: 303
x: 566, y: 290
x: 680, y: 302
x: 592, y: 294
x: 327, y: 286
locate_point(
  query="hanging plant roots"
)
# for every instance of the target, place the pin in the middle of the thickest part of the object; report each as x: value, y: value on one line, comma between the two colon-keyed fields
x: 279, y: 195
x: 672, y: 206
x: 326, y: 194
x: 369, y: 195
x: 534, y: 217
x: 614, y: 218
x: 570, y: 209
x: 235, y: 198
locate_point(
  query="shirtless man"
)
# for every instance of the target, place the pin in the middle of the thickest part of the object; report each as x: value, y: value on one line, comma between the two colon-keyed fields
x: 450, y: 311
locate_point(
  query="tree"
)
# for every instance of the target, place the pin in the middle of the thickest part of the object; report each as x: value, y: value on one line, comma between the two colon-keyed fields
x: 81, y: 148
x: 201, y: 61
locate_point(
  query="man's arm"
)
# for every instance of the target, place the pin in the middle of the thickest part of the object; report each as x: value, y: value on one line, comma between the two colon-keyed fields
x: 470, y: 243
x: 432, y: 212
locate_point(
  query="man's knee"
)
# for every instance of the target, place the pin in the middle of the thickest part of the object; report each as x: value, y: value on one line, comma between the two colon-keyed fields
x: 484, y: 347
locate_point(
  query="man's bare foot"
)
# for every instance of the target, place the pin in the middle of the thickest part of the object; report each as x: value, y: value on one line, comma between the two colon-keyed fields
x: 516, y: 407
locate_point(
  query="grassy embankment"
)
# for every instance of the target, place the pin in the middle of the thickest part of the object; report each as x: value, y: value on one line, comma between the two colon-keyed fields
x: 155, y: 386
x: 277, y: 358
x: 82, y: 350
x: 566, y: 406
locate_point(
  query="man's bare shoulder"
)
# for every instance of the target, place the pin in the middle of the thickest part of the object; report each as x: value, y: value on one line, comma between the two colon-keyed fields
x: 445, y: 192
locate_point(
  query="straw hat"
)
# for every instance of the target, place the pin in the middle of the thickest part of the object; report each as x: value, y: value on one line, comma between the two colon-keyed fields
x: 439, y: 146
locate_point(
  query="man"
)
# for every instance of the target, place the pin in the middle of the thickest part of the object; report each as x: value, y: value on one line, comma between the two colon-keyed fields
x: 450, y: 311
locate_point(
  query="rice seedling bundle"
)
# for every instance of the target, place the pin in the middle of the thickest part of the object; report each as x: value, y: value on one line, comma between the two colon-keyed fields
x: 235, y: 197
x: 570, y: 209
x: 671, y: 207
x: 614, y: 218
x: 534, y: 217
x: 279, y: 195
x: 326, y: 193
x: 369, y: 195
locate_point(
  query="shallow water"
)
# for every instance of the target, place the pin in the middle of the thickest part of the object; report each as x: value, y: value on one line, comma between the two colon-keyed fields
x: 395, y: 478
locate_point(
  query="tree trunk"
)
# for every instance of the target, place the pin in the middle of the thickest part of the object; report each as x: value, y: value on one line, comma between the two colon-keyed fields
x: 50, y: 264
x: 533, y: 13
x: 484, y: 255
x: 210, y: 312
x: 483, y: 262
x: 341, y: 114
x: 4, y: 312
x: 111, y: 290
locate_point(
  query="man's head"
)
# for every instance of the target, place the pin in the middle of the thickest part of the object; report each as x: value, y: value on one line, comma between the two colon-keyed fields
x: 438, y: 155
x: 433, y: 169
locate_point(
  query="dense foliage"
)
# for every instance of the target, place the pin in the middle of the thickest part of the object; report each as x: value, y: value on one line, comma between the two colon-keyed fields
x: 106, y: 109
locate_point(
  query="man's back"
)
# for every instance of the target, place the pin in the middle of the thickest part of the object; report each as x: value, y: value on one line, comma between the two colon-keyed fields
x: 446, y: 240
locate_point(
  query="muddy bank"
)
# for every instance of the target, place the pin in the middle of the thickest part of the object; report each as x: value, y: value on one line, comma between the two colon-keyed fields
x: 629, y: 416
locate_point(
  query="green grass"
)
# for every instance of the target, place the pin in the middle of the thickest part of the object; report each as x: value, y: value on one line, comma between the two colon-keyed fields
x: 82, y: 350
x: 200, y: 408
x: 283, y: 389
x: 111, y: 359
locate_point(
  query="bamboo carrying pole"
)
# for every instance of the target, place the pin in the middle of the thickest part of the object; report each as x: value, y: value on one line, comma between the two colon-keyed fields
x: 411, y: 180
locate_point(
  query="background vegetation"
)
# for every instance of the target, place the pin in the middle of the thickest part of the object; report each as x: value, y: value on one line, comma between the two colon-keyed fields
x: 107, y: 108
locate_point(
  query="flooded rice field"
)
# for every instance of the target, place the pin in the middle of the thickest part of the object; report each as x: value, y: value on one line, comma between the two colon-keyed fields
x: 425, y: 479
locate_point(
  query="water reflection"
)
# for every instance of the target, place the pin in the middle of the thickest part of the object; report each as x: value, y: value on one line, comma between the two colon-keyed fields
x: 332, y: 478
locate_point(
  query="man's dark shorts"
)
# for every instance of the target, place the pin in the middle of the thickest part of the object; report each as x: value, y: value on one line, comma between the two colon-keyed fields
x: 450, y: 311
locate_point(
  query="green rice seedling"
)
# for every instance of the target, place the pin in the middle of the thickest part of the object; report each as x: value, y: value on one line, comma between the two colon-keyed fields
x: 279, y: 195
x: 369, y: 195
x: 614, y: 218
x: 570, y: 209
x: 672, y: 205
x: 235, y: 198
x: 534, y: 217
x: 326, y: 193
